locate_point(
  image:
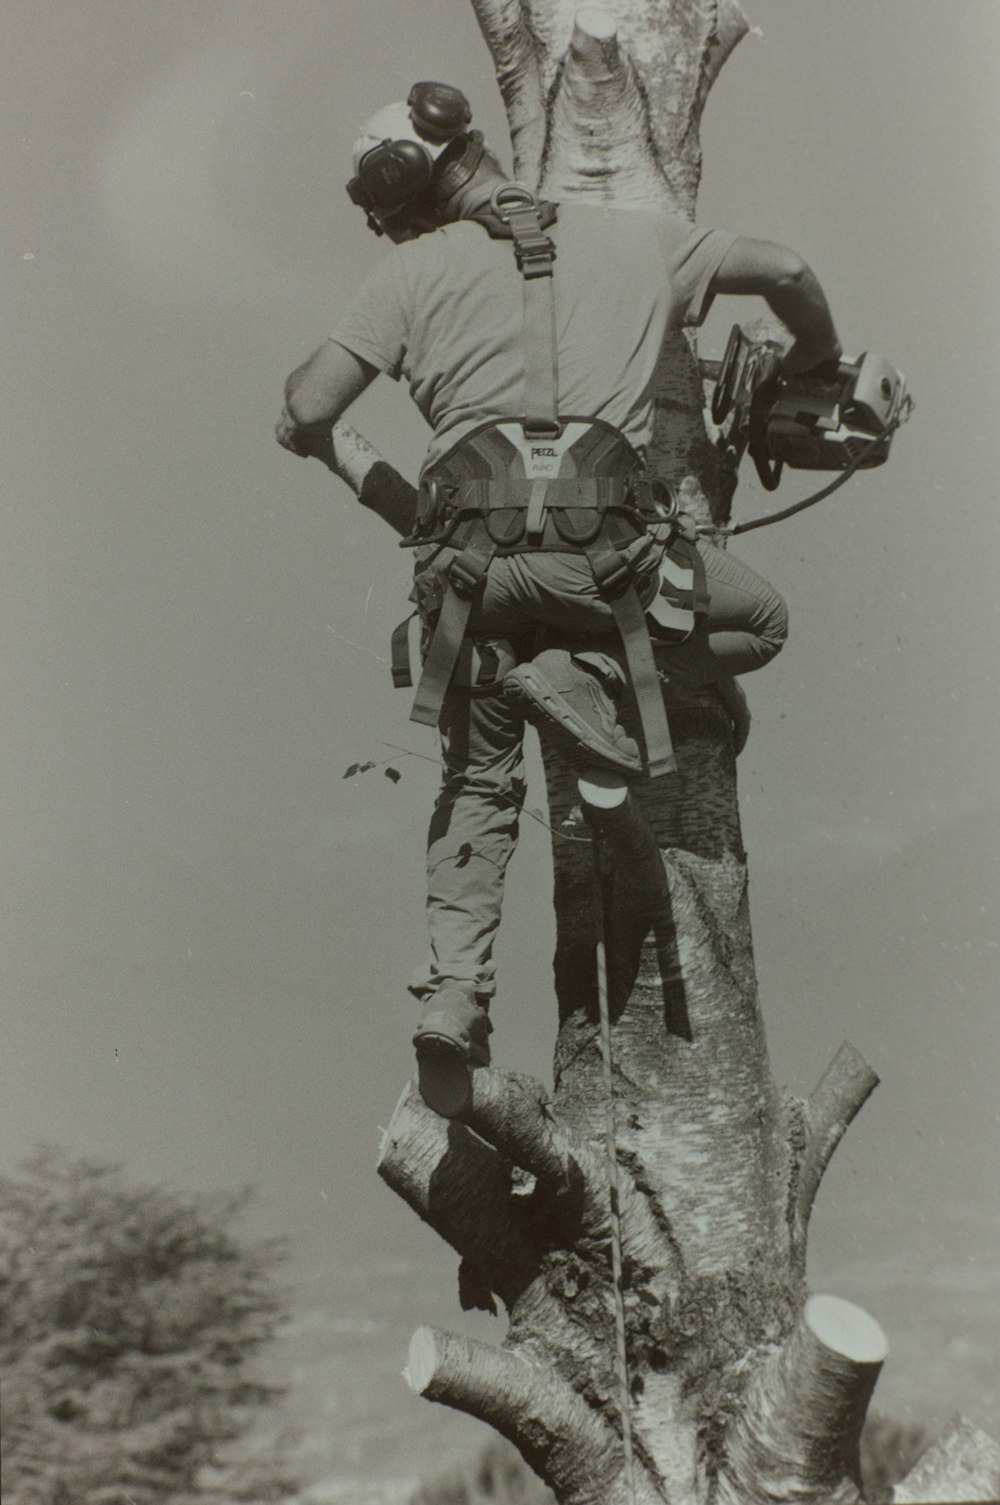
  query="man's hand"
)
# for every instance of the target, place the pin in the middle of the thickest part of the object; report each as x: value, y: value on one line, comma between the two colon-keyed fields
x: 791, y: 291
x: 801, y: 357
x: 289, y: 435
x: 317, y: 441
x: 316, y: 395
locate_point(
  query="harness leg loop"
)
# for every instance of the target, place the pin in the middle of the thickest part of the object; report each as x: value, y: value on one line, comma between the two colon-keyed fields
x: 612, y: 572
x: 465, y: 577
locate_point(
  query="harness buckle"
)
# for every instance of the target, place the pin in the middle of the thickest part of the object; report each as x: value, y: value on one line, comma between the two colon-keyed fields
x: 508, y: 197
x: 517, y: 207
x: 612, y: 571
x: 466, y: 570
x: 542, y: 428
x: 534, y: 253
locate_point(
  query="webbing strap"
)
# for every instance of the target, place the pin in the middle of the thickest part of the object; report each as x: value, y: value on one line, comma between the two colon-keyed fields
x: 630, y: 619
x: 399, y: 653
x: 535, y: 254
x: 611, y: 1158
x: 534, y: 525
x: 465, y: 578
x: 701, y: 594
x: 541, y: 398
x: 574, y: 493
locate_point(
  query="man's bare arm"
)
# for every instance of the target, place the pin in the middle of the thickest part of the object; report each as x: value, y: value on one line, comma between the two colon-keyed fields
x: 323, y: 389
x: 316, y: 394
x: 791, y: 290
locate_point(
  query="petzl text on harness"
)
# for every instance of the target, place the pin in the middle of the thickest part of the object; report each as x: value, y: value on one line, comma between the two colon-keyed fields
x: 542, y: 482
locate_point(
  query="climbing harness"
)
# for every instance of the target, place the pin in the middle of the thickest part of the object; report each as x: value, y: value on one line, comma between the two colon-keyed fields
x: 614, y: 1198
x: 549, y: 481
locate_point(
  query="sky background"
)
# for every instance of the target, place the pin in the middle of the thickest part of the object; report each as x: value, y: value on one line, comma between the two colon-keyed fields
x: 206, y: 929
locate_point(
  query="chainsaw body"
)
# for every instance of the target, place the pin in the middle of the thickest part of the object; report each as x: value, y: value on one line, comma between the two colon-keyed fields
x: 825, y: 419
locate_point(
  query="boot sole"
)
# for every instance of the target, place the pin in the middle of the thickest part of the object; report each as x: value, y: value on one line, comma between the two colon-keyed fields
x: 578, y: 743
x: 444, y: 1075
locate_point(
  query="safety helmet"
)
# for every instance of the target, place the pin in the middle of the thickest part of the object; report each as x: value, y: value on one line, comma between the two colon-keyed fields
x: 398, y: 149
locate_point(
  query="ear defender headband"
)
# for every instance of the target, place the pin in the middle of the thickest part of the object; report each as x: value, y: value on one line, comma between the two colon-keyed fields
x: 393, y: 174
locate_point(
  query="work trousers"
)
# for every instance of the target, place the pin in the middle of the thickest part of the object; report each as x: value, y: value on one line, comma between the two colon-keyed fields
x: 474, y: 826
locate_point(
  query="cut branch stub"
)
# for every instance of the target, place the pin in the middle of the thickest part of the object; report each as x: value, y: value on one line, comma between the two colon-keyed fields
x: 798, y: 1430
x: 461, y: 1187
x: 599, y: 147
x: 843, y: 1090
x: 559, y: 1435
x: 554, y: 1430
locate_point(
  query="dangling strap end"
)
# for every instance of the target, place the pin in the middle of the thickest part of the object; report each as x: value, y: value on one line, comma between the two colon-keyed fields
x: 534, y: 525
x: 425, y: 715
x: 399, y: 650
x: 659, y: 766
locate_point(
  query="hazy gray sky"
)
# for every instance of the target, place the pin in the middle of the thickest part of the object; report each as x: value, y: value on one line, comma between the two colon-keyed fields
x: 206, y: 930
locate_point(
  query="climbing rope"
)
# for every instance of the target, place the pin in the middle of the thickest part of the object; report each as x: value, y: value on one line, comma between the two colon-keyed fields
x: 714, y: 531
x: 614, y: 1200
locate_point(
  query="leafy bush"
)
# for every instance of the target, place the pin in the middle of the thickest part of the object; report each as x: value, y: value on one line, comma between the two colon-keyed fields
x: 129, y: 1317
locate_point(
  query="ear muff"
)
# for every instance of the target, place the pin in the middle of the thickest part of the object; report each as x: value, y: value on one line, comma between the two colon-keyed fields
x: 439, y: 111
x: 395, y: 172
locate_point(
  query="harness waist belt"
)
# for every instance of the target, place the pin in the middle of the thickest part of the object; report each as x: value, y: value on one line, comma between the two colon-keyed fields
x: 519, y: 484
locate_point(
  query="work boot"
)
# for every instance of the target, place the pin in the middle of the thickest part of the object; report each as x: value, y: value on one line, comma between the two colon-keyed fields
x: 451, y: 1038
x: 570, y: 700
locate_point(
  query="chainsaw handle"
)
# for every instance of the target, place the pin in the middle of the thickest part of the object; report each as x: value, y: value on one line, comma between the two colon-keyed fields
x: 761, y: 399
x: 769, y: 471
x: 725, y: 385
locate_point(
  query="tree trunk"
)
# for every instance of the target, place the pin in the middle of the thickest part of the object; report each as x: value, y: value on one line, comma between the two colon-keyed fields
x: 742, y: 1387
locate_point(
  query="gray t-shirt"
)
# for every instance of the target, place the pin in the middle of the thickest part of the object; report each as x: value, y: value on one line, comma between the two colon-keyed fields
x: 446, y: 312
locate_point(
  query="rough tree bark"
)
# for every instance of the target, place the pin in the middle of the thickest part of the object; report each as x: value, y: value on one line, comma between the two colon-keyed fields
x: 743, y: 1386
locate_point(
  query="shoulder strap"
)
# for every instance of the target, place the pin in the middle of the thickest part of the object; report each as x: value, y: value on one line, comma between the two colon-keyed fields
x: 456, y: 166
x: 514, y: 212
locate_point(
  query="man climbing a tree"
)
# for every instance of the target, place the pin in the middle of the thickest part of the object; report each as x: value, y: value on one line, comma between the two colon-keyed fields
x: 548, y: 558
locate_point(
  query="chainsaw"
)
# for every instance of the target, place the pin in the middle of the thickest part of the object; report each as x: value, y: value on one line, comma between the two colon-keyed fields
x: 839, y: 416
